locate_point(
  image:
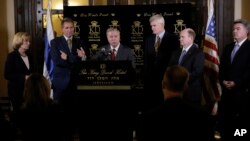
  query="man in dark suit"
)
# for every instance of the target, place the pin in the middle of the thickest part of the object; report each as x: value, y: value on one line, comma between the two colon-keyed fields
x: 114, y: 50
x: 66, y: 52
x: 158, y: 49
x: 119, y: 121
x: 234, y: 76
x: 175, y: 119
x: 192, y: 58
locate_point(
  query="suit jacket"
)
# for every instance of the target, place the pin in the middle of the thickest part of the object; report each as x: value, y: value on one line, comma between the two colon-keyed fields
x: 123, y: 53
x: 62, y: 72
x: 15, y: 71
x: 236, y: 100
x: 155, y: 65
x: 193, y: 61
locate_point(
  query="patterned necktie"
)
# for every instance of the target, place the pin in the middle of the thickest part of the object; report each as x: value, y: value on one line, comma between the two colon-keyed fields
x: 113, y: 54
x: 69, y: 41
x: 157, y: 43
x: 236, y: 48
x: 182, y: 55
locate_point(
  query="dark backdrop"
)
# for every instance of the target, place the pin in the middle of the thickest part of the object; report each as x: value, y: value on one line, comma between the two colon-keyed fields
x: 119, y: 108
x: 132, y: 20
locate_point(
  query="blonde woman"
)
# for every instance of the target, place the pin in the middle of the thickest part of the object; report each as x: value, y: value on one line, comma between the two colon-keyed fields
x: 17, y: 68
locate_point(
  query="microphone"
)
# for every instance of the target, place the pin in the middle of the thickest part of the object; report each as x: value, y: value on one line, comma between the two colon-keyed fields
x: 105, y: 54
x: 103, y: 50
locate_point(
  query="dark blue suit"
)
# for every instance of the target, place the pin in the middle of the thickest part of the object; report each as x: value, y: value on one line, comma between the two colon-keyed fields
x: 64, y: 79
x: 63, y: 75
x: 234, y: 106
x: 15, y: 71
x: 193, y: 61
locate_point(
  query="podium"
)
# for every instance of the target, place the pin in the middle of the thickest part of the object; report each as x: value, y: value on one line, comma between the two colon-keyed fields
x: 106, y: 99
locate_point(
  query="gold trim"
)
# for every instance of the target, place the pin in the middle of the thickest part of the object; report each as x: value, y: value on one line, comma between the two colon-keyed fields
x: 118, y: 87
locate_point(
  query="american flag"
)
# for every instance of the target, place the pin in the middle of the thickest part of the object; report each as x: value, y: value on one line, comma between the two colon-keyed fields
x: 212, y: 88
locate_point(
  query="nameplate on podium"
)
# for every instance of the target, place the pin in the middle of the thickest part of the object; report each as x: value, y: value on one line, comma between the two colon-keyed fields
x: 104, y: 75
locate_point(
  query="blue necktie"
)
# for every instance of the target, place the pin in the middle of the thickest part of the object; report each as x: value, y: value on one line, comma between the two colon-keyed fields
x: 182, y: 55
x: 236, y: 48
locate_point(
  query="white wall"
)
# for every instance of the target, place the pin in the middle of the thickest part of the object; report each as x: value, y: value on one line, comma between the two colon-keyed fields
x: 10, y: 22
x: 238, y: 9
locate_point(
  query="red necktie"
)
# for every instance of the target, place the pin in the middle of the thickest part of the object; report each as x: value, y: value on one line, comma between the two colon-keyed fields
x: 113, y: 54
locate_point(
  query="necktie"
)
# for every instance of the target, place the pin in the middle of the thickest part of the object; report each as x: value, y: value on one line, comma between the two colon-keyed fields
x: 113, y: 54
x: 157, y: 43
x: 69, y: 41
x: 236, y: 48
x: 182, y: 55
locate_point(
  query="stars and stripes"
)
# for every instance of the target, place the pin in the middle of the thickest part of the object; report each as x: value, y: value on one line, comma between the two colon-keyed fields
x: 212, y: 88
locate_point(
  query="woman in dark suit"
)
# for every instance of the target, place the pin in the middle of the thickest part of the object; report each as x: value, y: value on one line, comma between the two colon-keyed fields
x: 17, y: 68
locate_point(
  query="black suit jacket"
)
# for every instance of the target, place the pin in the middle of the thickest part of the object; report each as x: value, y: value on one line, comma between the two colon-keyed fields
x: 155, y: 65
x: 15, y: 71
x: 193, y: 61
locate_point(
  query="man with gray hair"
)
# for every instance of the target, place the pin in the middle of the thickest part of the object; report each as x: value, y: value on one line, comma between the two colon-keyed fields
x: 234, y: 77
x: 158, y: 49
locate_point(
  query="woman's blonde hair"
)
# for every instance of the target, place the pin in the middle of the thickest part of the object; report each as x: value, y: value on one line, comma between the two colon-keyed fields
x: 18, y: 39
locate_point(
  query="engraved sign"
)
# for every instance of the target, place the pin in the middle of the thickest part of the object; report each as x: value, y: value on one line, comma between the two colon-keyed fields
x: 106, y: 75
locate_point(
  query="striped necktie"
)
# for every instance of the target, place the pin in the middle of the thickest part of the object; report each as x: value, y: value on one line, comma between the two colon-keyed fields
x: 157, y: 43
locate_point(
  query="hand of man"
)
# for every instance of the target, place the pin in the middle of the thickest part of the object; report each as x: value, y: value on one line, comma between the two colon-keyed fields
x: 63, y: 55
x: 81, y: 53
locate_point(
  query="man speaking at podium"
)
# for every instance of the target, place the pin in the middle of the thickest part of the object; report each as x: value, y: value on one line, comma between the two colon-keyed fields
x: 114, y: 51
x: 119, y: 121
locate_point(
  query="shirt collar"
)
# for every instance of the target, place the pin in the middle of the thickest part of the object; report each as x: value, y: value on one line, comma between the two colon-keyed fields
x: 240, y: 43
x: 116, y: 48
x: 66, y: 38
x: 187, y: 48
x: 161, y: 34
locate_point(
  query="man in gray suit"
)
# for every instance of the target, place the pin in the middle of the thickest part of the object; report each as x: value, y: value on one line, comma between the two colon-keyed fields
x: 114, y: 50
